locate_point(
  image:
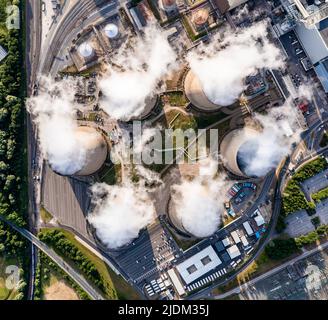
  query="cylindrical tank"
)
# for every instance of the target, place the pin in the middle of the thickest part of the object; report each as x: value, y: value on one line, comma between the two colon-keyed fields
x: 85, y: 50
x: 111, y: 30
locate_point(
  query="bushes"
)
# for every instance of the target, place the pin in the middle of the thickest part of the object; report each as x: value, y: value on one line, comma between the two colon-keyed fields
x: 322, y: 194
x: 312, y: 237
x: 294, y: 199
x: 280, y: 249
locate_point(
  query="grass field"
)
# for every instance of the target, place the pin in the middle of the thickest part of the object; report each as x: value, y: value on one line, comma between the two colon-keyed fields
x: 123, y: 290
x: 45, y: 215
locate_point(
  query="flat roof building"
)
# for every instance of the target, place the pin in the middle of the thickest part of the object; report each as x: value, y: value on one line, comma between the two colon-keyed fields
x: 248, y: 228
x: 226, y: 242
x: 235, y: 237
x: 176, y: 282
x: 259, y: 220
x: 198, y: 265
x: 233, y: 252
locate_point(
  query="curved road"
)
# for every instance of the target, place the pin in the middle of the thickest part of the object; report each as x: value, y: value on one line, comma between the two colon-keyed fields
x: 77, y: 277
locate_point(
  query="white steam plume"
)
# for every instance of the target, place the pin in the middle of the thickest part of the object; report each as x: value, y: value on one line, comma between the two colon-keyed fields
x: 280, y: 131
x: 121, y: 214
x: 55, y: 116
x: 225, y: 64
x: 126, y: 91
x: 198, y: 204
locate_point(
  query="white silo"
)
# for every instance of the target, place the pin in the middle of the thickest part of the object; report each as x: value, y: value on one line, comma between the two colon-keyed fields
x: 111, y: 30
x: 86, y: 50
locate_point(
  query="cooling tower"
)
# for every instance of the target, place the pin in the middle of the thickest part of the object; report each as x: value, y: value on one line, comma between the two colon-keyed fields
x: 194, y: 92
x: 175, y: 221
x: 233, y: 144
x: 96, y: 149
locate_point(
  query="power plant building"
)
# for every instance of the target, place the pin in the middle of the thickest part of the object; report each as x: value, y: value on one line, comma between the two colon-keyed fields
x: 198, y: 265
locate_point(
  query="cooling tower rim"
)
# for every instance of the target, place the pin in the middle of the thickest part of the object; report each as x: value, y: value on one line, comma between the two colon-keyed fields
x: 230, y: 146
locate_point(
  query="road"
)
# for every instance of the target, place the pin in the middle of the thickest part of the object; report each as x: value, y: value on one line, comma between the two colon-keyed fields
x: 250, y: 283
x: 32, y: 57
x: 77, y: 277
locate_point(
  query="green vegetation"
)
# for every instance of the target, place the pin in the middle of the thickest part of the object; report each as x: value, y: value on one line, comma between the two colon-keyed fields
x: 45, y: 215
x: 176, y: 98
x: 320, y: 195
x: 316, y: 222
x: 324, y: 140
x: 312, y: 237
x: 64, y: 247
x: 111, y: 175
x: 47, y: 268
x: 293, y: 198
x: 115, y: 286
x: 13, y: 155
x: 279, y: 249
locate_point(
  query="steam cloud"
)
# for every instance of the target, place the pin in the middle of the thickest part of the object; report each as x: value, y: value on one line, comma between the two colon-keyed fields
x: 126, y: 91
x: 198, y: 203
x: 121, y: 214
x: 55, y: 113
x: 280, y: 131
x: 223, y: 65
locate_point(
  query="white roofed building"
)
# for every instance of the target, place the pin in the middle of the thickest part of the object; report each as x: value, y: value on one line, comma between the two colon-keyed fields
x: 233, y: 252
x: 198, y: 265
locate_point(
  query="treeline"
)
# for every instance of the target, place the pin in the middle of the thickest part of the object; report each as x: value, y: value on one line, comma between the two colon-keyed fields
x: 320, y: 195
x: 42, y: 277
x: 293, y: 198
x: 64, y: 247
x: 13, y: 191
x: 279, y: 249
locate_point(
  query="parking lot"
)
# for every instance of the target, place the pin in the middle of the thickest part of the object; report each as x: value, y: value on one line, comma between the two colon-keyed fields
x: 315, y: 184
x: 306, y: 279
x: 152, y: 252
x: 298, y: 223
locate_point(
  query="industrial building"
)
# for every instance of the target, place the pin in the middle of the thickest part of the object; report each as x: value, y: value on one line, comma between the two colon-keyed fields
x: 231, y: 145
x: 198, y: 265
x: 233, y: 252
x: 311, y: 27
